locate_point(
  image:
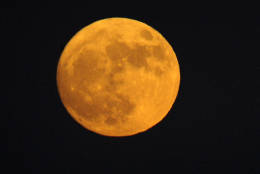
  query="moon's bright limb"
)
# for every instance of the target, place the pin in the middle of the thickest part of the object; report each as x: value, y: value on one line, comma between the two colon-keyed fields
x: 118, y: 77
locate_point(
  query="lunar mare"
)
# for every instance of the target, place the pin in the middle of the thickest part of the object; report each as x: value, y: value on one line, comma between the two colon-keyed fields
x: 118, y: 77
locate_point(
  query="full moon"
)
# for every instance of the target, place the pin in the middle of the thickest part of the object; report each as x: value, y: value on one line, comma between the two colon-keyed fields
x: 118, y: 77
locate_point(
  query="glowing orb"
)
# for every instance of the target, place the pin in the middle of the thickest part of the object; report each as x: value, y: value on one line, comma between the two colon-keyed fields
x: 118, y: 77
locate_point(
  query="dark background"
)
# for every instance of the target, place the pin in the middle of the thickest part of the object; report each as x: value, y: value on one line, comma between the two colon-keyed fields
x: 213, y: 126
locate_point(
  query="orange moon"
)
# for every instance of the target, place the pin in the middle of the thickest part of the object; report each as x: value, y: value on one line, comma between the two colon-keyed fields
x: 118, y: 77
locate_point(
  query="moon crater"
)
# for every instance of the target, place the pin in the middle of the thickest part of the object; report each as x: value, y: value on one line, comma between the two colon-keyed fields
x: 146, y: 35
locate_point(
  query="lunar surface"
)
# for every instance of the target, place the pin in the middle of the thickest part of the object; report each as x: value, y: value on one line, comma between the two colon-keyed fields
x: 118, y: 77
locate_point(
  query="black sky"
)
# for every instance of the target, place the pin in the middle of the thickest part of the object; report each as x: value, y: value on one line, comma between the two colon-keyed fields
x: 213, y: 126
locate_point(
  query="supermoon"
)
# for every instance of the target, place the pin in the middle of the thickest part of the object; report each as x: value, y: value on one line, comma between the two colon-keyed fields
x: 118, y: 77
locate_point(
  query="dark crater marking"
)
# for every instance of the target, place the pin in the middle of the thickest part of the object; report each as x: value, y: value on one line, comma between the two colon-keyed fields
x: 108, y: 103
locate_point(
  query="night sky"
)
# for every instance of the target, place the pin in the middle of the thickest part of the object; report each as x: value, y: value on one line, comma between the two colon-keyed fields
x: 213, y: 127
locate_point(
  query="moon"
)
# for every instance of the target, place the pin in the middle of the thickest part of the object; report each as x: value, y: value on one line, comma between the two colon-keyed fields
x: 118, y: 77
